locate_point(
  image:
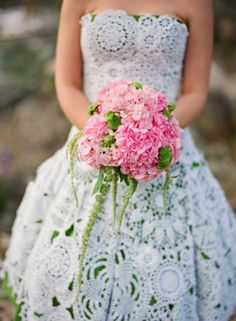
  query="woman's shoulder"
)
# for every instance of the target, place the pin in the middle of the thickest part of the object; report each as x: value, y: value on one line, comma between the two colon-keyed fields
x: 193, y: 11
x: 79, y: 7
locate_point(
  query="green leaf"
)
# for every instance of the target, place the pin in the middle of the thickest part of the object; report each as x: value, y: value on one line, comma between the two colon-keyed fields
x: 38, y: 314
x: 71, y: 285
x: 123, y: 177
x: 55, y: 301
x: 164, y: 157
x: 9, y: 293
x: 195, y: 164
x: 8, y: 290
x: 166, y: 113
x: 153, y: 300
x: 205, y: 256
x: 99, y: 181
x: 136, y: 85
x: 171, y: 306
x: 17, y: 316
x: 169, y: 109
x: 98, y: 269
x: 171, y: 106
x: 70, y: 230
x: 71, y: 312
x: 108, y: 140
x: 54, y: 235
x: 112, y: 120
x: 93, y: 16
x: 136, y: 17
x: 92, y: 107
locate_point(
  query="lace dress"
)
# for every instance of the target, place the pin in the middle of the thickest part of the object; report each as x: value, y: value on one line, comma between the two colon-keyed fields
x: 176, y: 265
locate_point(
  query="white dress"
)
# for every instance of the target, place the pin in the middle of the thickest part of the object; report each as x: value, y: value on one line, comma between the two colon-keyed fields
x: 178, y: 265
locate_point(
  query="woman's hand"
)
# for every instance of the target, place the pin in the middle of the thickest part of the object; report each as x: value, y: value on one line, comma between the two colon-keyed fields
x: 197, y: 61
x: 68, y: 73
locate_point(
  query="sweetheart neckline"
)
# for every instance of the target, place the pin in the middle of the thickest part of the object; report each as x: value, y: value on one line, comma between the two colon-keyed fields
x: 180, y: 21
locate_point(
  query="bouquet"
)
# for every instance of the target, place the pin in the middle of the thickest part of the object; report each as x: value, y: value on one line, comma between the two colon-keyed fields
x: 132, y: 135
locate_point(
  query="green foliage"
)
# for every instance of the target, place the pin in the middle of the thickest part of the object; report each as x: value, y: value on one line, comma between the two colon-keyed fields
x: 71, y: 312
x: 112, y: 120
x: 72, y: 154
x: 38, y: 314
x: 70, y: 231
x: 153, y: 300
x: 132, y: 185
x: 99, y: 182
x: 92, y: 108
x: 114, y: 196
x: 205, y: 256
x: 136, y: 85
x: 9, y: 293
x: 122, y: 176
x: 54, y: 235
x: 55, y: 301
x: 108, y: 140
x: 102, y: 189
x: 165, y: 187
x: 93, y: 16
x: 171, y: 106
x: 164, y: 157
x: 169, y: 109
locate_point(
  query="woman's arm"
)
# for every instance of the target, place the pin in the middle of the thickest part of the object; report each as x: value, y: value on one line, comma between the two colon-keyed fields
x: 197, y: 62
x: 68, y: 64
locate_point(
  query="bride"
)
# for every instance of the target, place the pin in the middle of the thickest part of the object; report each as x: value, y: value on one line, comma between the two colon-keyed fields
x: 174, y: 265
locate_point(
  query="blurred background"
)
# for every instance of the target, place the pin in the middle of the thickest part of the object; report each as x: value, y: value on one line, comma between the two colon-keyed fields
x: 33, y: 127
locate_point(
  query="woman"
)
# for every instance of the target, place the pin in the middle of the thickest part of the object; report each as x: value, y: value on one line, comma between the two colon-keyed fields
x: 174, y: 265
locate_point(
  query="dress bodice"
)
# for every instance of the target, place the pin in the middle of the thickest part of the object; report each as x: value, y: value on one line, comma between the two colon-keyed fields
x: 148, y: 49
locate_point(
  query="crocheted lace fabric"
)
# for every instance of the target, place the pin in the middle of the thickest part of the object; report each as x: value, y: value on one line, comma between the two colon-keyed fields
x: 176, y: 265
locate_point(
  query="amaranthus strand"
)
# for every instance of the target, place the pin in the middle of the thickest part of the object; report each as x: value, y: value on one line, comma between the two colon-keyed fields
x: 114, y: 196
x: 97, y: 206
x: 126, y: 198
x: 71, y: 152
x: 165, y: 186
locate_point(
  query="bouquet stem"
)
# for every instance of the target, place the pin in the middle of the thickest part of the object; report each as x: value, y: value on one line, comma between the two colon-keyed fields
x: 165, y: 187
x: 114, y: 196
x: 132, y: 184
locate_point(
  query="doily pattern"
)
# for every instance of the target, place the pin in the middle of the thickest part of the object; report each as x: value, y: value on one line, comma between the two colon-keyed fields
x: 116, y: 45
x: 177, y: 265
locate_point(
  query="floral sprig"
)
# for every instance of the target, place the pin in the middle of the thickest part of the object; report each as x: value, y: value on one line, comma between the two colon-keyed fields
x: 72, y: 155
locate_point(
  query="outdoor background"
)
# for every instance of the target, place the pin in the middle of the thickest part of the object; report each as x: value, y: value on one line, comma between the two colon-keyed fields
x: 33, y: 127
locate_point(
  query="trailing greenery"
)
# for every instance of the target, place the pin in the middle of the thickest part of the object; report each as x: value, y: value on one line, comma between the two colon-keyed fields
x: 72, y: 154
x: 8, y: 291
x: 101, y: 190
x: 132, y: 184
x: 114, y: 196
x: 165, y: 187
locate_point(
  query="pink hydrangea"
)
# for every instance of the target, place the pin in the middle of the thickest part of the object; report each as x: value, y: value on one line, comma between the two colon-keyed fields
x: 135, y: 143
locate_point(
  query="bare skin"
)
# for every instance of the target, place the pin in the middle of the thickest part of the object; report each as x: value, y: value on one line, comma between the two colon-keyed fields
x: 197, y: 14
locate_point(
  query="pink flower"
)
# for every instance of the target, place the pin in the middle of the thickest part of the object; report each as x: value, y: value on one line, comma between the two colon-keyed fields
x: 136, y: 142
